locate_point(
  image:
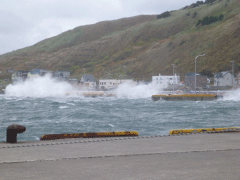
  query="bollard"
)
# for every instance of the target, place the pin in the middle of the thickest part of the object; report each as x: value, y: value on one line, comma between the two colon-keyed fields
x: 12, y: 131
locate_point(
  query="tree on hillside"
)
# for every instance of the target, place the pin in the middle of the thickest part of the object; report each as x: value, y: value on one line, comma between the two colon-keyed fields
x: 194, y: 15
x: 207, y: 73
x: 209, y: 1
x: 209, y: 20
x: 164, y: 15
x: 198, y: 3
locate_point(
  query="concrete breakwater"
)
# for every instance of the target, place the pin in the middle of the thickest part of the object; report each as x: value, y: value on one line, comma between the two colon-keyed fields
x: 188, y: 97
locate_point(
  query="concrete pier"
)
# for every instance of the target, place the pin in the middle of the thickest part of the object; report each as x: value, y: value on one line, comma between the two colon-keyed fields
x: 186, y: 97
x: 193, y: 156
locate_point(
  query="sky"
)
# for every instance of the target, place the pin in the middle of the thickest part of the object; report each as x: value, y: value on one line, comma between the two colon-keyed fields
x: 26, y: 22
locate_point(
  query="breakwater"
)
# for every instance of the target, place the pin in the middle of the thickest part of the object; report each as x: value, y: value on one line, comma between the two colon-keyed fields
x: 186, y: 97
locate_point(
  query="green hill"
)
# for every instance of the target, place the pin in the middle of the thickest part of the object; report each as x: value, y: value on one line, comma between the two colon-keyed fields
x: 143, y: 45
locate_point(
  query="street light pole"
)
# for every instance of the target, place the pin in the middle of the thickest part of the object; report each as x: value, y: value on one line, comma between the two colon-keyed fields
x: 84, y: 79
x: 196, y: 69
x: 124, y: 73
x: 233, y: 74
x: 84, y: 75
x: 173, y: 76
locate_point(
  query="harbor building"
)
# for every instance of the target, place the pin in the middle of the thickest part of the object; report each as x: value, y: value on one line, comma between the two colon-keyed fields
x: 19, y: 76
x: 42, y: 72
x: 224, y: 78
x: 201, y: 81
x: 87, y: 81
x: 32, y: 75
x: 162, y: 82
x: 108, y: 84
x: 61, y: 75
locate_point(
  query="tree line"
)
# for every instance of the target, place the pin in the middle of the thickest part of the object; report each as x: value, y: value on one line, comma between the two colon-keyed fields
x: 193, y: 5
x: 198, y: 3
x: 209, y: 20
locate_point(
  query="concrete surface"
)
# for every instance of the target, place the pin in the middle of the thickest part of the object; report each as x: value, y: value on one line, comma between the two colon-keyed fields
x: 196, y: 156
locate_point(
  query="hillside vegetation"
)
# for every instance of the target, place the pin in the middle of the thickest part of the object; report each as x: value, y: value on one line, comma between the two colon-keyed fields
x: 142, y: 46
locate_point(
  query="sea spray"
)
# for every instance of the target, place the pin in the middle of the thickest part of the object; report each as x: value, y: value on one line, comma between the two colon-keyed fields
x: 39, y: 87
x: 233, y: 95
x: 136, y: 91
x: 47, y: 86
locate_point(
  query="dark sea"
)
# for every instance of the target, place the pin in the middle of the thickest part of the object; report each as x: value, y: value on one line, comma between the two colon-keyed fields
x: 43, y: 107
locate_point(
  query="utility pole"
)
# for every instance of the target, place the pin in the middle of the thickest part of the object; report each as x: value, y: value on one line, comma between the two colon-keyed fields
x: 173, y: 76
x: 233, y: 83
x: 196, y: 69
x: 124, y: 73
x: 84, y: 79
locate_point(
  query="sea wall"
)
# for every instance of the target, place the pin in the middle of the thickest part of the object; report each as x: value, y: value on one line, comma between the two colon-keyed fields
x: 186, y: 97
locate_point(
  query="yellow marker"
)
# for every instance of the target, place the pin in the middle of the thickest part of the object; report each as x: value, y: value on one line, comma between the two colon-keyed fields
x: 178, y: 131
x: 89, y: 135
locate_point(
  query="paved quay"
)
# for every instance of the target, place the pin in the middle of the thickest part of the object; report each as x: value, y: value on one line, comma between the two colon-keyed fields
x: 195, y: 156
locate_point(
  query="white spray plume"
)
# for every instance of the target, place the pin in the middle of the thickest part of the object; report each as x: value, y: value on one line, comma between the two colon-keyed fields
x: 136, y: 91
x: 232, y: 95
x: 39, y: 87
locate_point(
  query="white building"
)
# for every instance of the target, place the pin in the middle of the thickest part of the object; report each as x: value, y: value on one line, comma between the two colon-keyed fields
x: 19, y: 76
x: 32, y: 75
x: 238, y: 79
x: 224, y: 79
x: 88, y: 81
x: 114, y: 83
x: 162, y: 82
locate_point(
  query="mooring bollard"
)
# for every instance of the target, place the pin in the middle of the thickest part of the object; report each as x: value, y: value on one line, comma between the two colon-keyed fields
x: 12, y: 131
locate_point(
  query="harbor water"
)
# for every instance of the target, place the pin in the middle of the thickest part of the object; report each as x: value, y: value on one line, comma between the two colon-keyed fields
x: 44, y: 108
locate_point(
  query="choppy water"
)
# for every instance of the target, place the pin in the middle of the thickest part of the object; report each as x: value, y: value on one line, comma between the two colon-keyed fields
x: 76, y: 114
x: 62, y: 114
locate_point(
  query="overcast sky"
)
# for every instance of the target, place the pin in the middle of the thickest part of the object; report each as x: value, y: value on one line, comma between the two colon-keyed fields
x: 26, y: 22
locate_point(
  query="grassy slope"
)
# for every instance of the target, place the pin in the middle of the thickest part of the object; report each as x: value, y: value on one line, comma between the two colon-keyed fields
x: 145, y: 45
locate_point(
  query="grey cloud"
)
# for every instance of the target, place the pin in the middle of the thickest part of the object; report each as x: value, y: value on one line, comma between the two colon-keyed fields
x: 10, y: 23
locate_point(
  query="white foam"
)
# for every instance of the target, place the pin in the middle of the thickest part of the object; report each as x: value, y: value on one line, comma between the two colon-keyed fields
x: 232, y: 95
x: 136, y: 91
x: 36, y: 138
x: 111, y: 125
x: 39, y: 87
x: 63, y: 107
x: 50, y: 87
